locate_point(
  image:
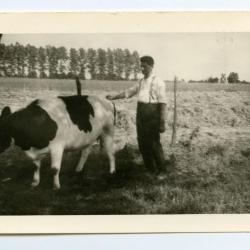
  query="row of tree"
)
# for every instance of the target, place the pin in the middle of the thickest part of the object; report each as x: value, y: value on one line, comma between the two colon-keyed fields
x: 233, y: 77
x: 58, y: 62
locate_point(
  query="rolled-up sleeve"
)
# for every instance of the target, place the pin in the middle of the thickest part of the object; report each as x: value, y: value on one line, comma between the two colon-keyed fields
x: 131, y: 91
x: 162, y: 91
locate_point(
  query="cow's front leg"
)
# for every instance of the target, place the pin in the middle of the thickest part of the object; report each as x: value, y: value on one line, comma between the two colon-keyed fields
x: 84, y: 156
x: 56, y: 160
x: 36, y: 175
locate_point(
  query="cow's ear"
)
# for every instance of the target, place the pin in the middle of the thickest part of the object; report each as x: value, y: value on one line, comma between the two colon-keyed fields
x: 6, y: 111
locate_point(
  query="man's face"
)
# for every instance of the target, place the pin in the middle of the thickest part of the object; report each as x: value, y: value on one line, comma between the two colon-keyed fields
x: 145, y: 68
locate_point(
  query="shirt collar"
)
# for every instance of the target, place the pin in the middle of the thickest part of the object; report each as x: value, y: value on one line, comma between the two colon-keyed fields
x: 150, y: 77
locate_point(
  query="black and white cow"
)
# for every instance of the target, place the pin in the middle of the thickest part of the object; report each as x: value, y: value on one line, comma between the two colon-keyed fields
x: 55, y: 125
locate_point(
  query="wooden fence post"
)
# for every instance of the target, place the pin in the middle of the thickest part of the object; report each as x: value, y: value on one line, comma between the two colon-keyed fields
x: 173, y: 142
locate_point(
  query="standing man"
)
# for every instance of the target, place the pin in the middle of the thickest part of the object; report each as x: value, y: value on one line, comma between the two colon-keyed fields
x: 150, y: 116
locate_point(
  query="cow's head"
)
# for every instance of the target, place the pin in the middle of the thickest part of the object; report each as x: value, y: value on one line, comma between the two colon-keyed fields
x: 5, y: 139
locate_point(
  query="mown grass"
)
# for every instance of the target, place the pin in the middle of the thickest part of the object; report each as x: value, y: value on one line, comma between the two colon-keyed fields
x: 208, y: 168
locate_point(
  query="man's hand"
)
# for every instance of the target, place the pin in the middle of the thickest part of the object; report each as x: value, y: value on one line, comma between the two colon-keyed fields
x: 109, y: 97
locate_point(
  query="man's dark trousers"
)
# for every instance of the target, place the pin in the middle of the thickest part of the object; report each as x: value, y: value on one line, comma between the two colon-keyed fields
x: 148, y: 136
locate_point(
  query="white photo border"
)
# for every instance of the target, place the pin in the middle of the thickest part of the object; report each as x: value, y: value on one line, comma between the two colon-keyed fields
x: 125, y: 22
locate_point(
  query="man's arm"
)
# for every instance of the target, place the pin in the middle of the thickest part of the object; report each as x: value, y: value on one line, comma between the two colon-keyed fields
x: 118, y: 96
x: 125, y: 94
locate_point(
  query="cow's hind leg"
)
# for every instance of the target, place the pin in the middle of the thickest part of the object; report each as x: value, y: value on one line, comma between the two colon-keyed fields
x: 36, y: 176
x: 108, y: 145
x: 56, y: 160
x: 84, y: 156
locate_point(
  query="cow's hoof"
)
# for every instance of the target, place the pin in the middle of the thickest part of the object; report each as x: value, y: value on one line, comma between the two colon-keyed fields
x: 56, y: 188
x: 78, y: 169
x: 34, y: 184
x: 112, y: 172
x: 78, y: 172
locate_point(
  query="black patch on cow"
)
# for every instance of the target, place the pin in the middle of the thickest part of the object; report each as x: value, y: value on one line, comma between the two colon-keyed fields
x: 79, y: 110
x: 32, y: 127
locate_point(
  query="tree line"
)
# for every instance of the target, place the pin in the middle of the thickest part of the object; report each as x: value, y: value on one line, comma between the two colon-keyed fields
x: 233, y: 77
x: 17, y: 60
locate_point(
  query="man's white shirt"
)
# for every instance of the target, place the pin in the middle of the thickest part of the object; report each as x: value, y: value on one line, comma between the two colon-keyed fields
x: 150, y: 90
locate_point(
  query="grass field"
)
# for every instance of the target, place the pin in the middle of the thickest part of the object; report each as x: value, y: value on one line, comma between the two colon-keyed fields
x: 208, y: 168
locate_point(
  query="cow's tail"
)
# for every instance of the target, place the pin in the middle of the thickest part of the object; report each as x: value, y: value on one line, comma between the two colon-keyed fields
x: 114, y: 112
x: 78, y: 86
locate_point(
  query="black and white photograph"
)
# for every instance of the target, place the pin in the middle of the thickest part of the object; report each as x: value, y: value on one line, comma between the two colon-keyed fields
x: 124, y: 123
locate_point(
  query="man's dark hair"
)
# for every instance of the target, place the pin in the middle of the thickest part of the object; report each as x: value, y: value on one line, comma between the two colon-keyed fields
x: 147, y: 59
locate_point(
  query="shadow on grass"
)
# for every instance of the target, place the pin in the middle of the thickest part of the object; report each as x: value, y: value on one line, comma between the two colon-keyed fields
x: 186, y: 188
x: 94, y: 191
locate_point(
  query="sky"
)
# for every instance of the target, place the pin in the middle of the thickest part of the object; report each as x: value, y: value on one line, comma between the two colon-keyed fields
x: 188, y: 56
